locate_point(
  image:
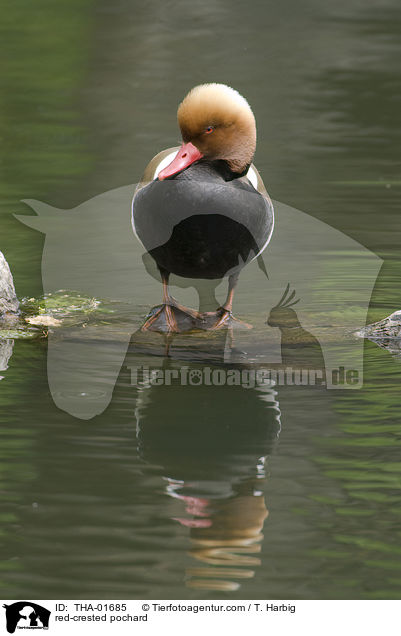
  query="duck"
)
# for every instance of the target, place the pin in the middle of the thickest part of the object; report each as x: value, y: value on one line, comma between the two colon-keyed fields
x: 201, y: 210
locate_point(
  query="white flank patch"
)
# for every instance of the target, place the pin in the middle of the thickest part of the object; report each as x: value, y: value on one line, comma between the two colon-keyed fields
x: 268, y: 239
x: 133, y: 221
x: 253, y: 178
x: 164, y: 163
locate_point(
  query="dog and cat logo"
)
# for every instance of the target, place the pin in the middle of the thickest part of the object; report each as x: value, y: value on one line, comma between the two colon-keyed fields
x: 26, y: 615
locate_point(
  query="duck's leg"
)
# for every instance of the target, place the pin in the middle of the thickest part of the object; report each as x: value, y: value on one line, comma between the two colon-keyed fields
x: 169, y: 339
x: 170, y: 316
x: 223, y: 316
x: 225, y: 312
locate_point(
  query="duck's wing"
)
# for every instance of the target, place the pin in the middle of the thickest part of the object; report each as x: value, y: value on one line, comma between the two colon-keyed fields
x: 155, y: 165
x: 159, y: 161
x: 254, y: 177
x: 256, y: 180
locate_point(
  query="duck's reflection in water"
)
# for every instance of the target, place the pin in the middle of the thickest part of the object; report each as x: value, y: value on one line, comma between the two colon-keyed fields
x: 225, y: 533
x: 210, y: 444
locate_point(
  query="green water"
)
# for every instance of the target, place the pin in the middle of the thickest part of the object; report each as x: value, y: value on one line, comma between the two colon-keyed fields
x: 95, y: 508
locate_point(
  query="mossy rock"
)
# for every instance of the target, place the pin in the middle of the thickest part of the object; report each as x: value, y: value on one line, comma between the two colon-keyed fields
x: 50, y: 311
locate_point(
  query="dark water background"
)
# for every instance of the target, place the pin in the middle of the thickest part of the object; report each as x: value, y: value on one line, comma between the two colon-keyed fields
x: 94, y: 509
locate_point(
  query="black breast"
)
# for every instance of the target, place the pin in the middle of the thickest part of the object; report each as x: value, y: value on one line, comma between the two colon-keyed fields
x: 198, y: 225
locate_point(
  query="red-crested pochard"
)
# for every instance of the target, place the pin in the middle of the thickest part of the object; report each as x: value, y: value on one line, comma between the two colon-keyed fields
x: 201, y: 210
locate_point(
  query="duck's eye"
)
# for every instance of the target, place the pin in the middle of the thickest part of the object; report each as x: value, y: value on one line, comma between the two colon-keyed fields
x: 209, y: 130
